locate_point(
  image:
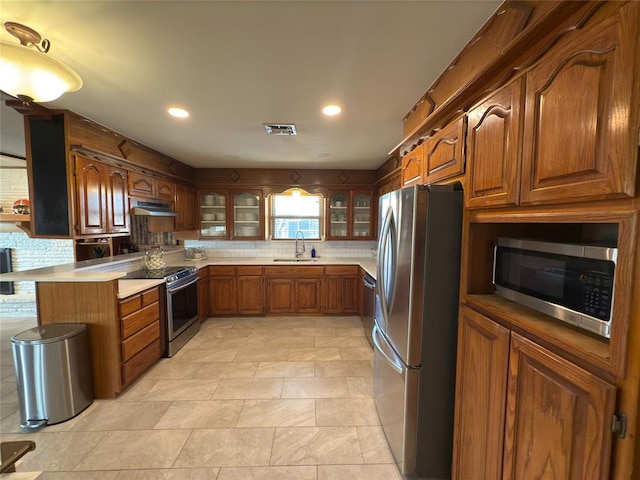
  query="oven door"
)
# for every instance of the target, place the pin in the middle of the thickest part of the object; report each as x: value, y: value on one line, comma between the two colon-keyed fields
x: 182, y: 305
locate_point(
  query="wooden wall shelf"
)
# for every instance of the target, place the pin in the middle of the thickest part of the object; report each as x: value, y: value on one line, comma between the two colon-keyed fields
x: 12, y: 217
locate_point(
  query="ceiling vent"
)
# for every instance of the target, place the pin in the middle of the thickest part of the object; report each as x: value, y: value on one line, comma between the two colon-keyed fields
x: 280, y: 128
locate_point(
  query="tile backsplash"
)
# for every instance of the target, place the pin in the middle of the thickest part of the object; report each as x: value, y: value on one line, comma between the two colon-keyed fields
x: 282, y: 248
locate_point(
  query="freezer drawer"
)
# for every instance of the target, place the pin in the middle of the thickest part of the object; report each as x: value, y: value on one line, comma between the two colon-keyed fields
x: 395, y: 390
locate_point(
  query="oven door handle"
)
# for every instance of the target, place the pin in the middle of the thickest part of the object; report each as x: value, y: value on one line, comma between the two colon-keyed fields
x: 188, y: 282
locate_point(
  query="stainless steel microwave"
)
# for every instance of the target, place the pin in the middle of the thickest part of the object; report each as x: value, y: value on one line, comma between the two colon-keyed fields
x: 570, y: 282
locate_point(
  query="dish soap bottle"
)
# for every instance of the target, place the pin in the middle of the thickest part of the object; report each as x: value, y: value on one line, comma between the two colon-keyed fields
x: 313, y: 251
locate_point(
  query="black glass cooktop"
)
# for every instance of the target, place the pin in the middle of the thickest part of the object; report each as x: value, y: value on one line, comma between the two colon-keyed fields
x: 157, y: 274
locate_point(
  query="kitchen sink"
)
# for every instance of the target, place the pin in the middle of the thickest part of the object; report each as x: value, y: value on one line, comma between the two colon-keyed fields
x: 295, y: 259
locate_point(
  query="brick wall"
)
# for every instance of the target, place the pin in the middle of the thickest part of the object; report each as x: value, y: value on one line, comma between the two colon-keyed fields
x: 26, y: 253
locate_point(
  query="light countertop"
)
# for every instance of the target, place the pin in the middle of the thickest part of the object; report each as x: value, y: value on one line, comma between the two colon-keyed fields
x: 114, y: 268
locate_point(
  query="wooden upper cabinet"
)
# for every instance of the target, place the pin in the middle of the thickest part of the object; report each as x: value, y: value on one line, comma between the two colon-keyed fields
x: 580, y: 134
x: 164, y: 190
x: 184, y: 203
x: 102, y: 200
x: 140, y: 185
x: 558, y: 422
x: 412, y: 167
x: 493, y: 149
x: 118, y: 201
x: 443, y: 155
x: 247, y: 215
x: 91, y: 188
x: 481, y: 387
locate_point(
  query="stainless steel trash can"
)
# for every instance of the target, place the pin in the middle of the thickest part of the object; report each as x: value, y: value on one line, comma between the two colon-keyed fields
x: 53, y: 371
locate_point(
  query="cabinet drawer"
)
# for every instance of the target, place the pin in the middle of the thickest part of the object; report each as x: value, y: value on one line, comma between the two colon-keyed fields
x: 130, y: 305
x: 140, y: 363
x: 249, y: 270
x: 136, y: 302
x: 342, y: 270
x: 203, y: 274
x: 140, y: 319
x: 294, y: 272
x: 150, y: 296
x: 222, y: 270
x: 136, y: 342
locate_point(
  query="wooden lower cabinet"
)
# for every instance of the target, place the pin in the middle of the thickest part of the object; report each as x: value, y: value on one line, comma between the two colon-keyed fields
x: 140, y: 330
x: 481, y: 391
x: 558, y: 423
x: 294, y: 289
x: 125, y: 336
x: 525, y: 413
x: 236, y: 290
x: 203, y: 293
x: 250, y: 287
x: 223, y: 295
x: 308, y: 295
x: 257, y: 290
x: 341, y: 289
x: 281, y: 295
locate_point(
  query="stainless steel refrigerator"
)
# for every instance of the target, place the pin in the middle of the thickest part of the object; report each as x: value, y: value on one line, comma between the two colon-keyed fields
x: 415, y: 326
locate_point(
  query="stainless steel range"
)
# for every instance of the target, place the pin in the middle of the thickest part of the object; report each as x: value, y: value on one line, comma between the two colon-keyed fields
x: 181, y: 303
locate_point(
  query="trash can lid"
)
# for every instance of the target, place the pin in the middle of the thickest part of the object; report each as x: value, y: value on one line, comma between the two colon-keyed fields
x: 53, y: 332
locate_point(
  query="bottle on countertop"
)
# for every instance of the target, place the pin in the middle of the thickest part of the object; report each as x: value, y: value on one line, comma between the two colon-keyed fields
x: 313, y: 251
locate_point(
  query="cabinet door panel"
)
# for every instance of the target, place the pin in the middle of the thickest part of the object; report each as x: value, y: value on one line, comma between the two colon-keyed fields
x: 558, y: 418
x: 412, y: 167
x: 164, y: 190
x: 334, y: 294
x: 140, y: 185
x: 223, y: 295
x: 308, y: 296
x: 281, y: 294
x: 493, y: 149
x: 481, y: 385
x: 444, y: 153
x: 92, y: 196
x: 250, y: 295
x: 203, y: 296
x: 118, y: 201
x: 580, y: 135
x: 350, y: 303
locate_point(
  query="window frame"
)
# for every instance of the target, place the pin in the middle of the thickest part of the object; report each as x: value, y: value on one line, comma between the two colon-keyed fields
x: 271, y: 218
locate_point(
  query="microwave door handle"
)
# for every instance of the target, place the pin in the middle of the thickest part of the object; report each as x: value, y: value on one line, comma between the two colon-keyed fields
x: 495, y: 263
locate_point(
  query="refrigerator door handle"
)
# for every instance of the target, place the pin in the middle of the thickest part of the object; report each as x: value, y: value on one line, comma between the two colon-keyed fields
x: 386, y: 278
x: 383, y: 348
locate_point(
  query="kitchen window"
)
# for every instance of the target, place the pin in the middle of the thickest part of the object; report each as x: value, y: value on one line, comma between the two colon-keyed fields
x: 293, y: 211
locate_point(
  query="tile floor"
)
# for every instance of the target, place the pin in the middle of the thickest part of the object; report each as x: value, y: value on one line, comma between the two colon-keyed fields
x: 246, y: 399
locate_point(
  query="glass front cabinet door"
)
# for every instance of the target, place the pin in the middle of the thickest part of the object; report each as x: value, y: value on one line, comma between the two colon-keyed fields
x: 362, y: 215
x: 350, y: 215
x: 338, y: 217
x: 213, y: 215
x: 248, y: 213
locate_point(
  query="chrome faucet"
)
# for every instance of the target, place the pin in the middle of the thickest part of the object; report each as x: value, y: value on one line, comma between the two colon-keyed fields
x: 299, y: 248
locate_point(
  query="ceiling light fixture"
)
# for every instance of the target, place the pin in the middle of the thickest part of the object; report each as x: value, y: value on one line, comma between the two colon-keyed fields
x: 178, y: 112
x: 331, y: 110
x: 28, y: 73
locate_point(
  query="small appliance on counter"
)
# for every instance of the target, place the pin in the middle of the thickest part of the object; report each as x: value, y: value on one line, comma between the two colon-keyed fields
x: 194, y: 254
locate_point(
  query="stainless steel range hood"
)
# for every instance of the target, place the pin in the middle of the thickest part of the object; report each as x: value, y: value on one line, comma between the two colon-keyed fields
x: 152, y: 209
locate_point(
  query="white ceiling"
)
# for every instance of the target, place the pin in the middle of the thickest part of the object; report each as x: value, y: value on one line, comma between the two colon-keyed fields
x: 237, y: 64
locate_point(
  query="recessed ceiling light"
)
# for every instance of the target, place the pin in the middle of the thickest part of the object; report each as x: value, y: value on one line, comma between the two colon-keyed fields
x: 331, y: 110
x: 323, y: 155
x: 231, y: 157
x: 178, y: 112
